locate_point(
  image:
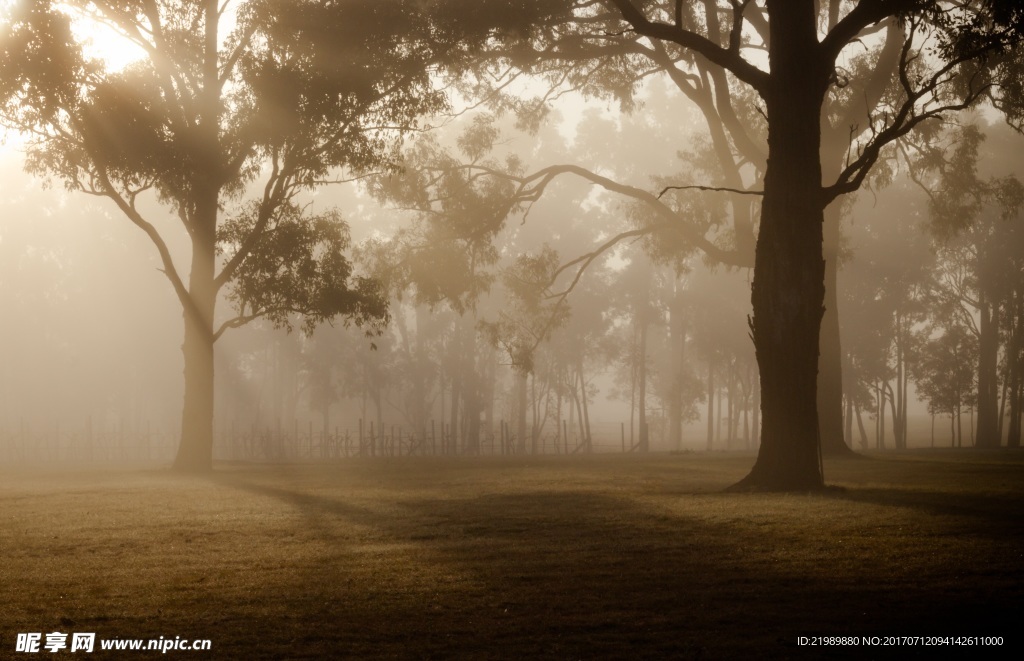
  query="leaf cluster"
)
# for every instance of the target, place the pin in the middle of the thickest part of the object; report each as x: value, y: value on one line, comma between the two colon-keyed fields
x: 298, y: 267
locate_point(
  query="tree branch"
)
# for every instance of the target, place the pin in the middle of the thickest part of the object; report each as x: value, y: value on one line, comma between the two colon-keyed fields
x: 720, y: 189
x: 532, y: 186
x: 723, y: 57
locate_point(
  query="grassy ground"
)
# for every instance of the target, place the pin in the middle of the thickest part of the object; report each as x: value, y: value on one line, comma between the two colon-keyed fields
x: 581, y: 557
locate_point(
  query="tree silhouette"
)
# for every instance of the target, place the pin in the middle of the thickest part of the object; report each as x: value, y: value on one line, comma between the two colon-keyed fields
x: 971, y: 56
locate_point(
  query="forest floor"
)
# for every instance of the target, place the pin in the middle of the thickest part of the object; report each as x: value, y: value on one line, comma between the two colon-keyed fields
x: 518, y: 558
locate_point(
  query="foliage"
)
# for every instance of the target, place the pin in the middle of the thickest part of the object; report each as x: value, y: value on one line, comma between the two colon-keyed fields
x: 945, y: 376
x: 296, y: 90
x: 530, y: 317
x: 298, y: 267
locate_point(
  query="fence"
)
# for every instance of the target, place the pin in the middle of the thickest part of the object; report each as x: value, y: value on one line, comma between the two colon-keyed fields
x: 28, y: 444
x: 306, y: 442
x: 99, y: 443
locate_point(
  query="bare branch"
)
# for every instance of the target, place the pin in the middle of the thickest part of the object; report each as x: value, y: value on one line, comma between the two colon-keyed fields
x: 586, y: 260
x: 129, y: 210
x: 532, y: 186
x: 235, y: 322
x: 908, y: 116
x: 865, y: 13
x: 720, y: 189
x: 728, y: 59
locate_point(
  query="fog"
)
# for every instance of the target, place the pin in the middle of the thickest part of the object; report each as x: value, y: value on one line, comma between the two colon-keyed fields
x: 489, y: 329
x: 92, y: 331
x: 521, y: 259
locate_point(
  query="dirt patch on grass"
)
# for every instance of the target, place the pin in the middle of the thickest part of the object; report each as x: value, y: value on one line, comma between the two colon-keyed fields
x: 581, y: 557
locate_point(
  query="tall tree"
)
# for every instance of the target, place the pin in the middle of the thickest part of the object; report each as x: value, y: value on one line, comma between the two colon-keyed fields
x: 225, y: 120
x: 970, y: 56
x: 596, y: 56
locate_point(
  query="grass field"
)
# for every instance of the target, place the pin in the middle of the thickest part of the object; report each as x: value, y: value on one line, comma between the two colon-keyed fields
x: 556, y: 557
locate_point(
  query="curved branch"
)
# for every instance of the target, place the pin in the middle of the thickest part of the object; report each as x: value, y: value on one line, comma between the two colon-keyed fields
x: 273, y: 194
x: 718, y: 189
x: 235, y: 322
x: 865, y: 13
x: 588, y: 258
x: 862, y: 106
x: 907, y: 117
x: 533, y: 185
x: 723, y: 57
x: 169, y: 270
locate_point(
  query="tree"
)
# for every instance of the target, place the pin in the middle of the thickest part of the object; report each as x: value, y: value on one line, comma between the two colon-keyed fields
x: 526, y: 322
x: 976, y: 221
x: 596, y: 56
x: 945, y: 378
x: 225, y: 128
x: 951, y: 56
x: 884, y: 284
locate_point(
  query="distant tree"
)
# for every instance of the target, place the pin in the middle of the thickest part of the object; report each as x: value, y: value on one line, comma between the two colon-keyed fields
x: 1015, y: 367
x: 527, y: 321
x: 977, y: 222
x: 637, y: 290
x: 885, y: 282
x: 717, y: 312
x: 447, y: 256
x: 946, y: 375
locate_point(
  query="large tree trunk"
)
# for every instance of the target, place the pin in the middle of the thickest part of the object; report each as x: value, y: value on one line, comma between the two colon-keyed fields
x: 642, y: 403
x: 585, y: 412
x: 456, y: 398
x: 788, y: 290
x: 988, y: 383
x: 471, y: 391
x: 521, y: 402
x: 899, y: 422
x: 677, y: 337
x: 830, y: 370
x: 711, y: 404
x: 195, y: 451
x: 1015, y: 362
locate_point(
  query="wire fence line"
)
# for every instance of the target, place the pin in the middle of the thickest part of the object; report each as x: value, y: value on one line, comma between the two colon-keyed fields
x: 92, y: 443
x: 85, y: 444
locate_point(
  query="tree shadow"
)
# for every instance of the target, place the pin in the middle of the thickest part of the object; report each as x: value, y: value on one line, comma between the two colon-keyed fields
x: 558, y: 574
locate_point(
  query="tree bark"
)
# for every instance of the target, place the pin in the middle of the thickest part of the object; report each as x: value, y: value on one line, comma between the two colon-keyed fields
x: 471, y: 391
x: 456, y: 398
x: 585, y: 413
x: 830, y: 370
x: 642, y: 403
x: 195, y: 451
x: 711, y: 404
x: 847, y: 422
x: 788, y: 290
x: 521, y: 377
x: 677, y: 335
x: 988, y: 383
x: 1015, y: 362
x: 860, y: 428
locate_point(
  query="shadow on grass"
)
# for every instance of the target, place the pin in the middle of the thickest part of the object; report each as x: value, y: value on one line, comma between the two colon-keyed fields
x: 545, y: 574
x: 994, y: 514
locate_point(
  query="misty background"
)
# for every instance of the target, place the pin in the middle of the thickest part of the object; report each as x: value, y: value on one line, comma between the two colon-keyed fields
x: 91, y: 331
